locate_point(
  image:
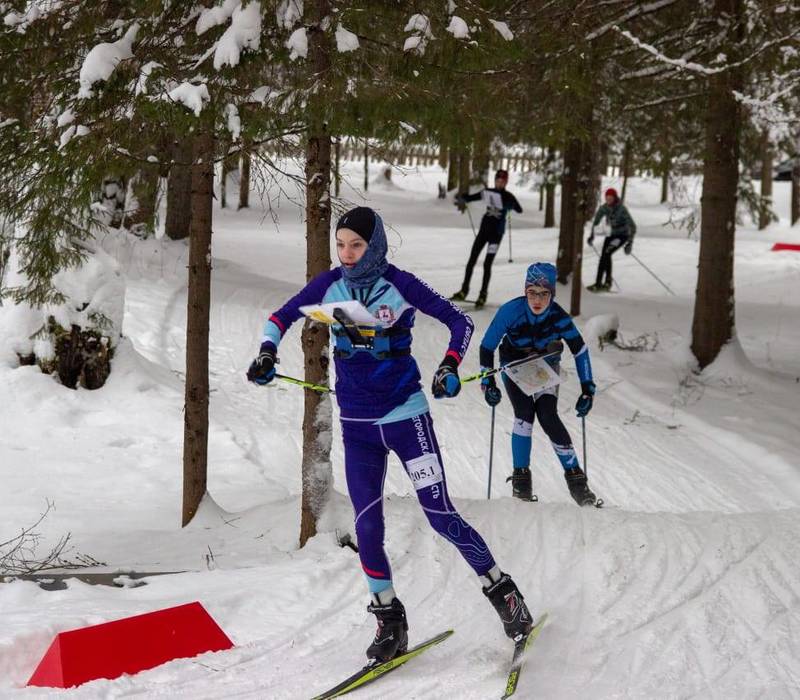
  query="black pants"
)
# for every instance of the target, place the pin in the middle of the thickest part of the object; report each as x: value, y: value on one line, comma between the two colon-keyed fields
x: 489, y: 233
x: 545, y: 408
x: 611, y: 245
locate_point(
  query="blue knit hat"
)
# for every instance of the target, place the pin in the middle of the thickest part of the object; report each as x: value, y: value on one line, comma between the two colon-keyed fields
x: 542, y: 274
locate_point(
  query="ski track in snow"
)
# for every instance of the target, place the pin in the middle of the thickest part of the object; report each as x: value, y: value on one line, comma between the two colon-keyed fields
x: 686, y: 586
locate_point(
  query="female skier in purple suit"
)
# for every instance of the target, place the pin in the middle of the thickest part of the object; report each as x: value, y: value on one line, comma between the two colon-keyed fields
x: 383, y: 408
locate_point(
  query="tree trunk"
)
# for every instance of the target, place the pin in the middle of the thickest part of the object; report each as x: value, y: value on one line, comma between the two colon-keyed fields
x: 589, y: 158
x: 594, y: 161
x: 195, y: 413
x: 179, y: 192
x: 366, y: 165
x: 541, y: 195
x: 550, y: 205
x: 317, y: 416
x: 142, y: 219
x: 626, y: 167
x: 443, y: 156
x: 666, y: 167
x: 569, y: 210
x: 765, y: 208
x: 454, y: 159
x: 337, y: 173
x: 463, y: 171
x: 714, y: 307
x: 796, y: 190
x: 480, y: 160
x: 549, y: 190
x: 244, y: 177
x: 227, y: 167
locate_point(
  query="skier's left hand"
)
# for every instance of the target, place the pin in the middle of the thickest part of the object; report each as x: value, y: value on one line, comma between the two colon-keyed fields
x: 584, y: 403
x: 629, y: 246
x: 446, y: 383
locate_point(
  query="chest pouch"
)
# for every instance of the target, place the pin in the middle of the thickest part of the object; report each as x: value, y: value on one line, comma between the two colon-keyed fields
x: 375, y: 341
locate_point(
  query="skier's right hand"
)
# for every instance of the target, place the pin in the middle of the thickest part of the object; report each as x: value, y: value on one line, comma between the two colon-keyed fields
x: 591, y: 238
x: 262, y: 369
x: 460, y: 202
x: 446, y: 383
x: 491, y: 392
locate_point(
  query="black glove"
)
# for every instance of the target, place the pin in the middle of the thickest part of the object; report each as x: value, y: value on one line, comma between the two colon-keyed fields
x: 629, y: 246
x: 584, y: 403
x: 460, y: 202
x: 446, y: 382
x: 591, y: 238
x: 491, y: 392
x: 262, y: 369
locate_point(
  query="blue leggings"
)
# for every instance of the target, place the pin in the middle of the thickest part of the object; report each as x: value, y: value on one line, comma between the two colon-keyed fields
x: 366, y: 452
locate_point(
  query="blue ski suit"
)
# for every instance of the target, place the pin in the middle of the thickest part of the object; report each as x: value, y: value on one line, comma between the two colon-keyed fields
x: 383, y: 408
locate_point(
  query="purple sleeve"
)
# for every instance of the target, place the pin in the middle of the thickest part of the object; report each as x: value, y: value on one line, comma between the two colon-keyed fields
x: 423, y: 297
x: 313, y: 293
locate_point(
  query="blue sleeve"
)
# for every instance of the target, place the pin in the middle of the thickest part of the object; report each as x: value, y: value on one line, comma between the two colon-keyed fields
x: 579, y: 349
x: 423, y: 297
x: 494, y: 334
x: 313, y: 293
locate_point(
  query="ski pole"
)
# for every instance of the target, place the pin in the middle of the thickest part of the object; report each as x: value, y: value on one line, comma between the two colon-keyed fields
x: 585, y: 463
x: 508, y: 365
x: 491, y: 455
x: 306, y: 385
x: 510, y: 259
x: 654, y: 274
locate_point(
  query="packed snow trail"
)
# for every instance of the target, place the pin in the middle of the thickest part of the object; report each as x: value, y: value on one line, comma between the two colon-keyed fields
x: 687, y: 585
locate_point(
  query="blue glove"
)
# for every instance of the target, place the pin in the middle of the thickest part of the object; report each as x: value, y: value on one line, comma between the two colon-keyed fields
x: 491, y: 392
x: 584, y: 404
x: 446, y: 382
x: 262, y: 369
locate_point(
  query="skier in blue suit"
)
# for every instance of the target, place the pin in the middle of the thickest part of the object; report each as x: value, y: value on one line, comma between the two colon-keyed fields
x: 534, y: 325
x: 383, y: 408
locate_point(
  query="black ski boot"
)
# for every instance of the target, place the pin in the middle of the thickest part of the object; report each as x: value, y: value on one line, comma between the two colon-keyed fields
x: 521, y: 486
x: 391, y: 638
x: 460, y: 295
x: 510, y: 605
x: 579, y: 487
x: 480, y: 302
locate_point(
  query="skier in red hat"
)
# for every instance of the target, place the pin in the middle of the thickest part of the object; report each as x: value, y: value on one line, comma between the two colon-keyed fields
x: 623, y: 229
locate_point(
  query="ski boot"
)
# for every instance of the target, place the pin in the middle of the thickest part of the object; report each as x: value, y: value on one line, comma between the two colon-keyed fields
x: 391, y: 638
x: 510, y: 605
x: 460, y: 295
x: 606, y: 286
x: 597, y: 287
x: 521, y: 486
x: 480, y: 302
x: 579, y: 487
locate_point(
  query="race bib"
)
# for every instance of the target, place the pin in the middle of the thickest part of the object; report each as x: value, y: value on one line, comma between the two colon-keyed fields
x: 424, y: 471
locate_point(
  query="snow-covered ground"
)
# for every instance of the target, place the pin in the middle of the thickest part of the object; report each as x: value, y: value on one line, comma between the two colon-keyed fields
x: 686, y: 586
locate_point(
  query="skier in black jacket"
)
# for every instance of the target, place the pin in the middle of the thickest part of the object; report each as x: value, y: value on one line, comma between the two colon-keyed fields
x: 499, y: 202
